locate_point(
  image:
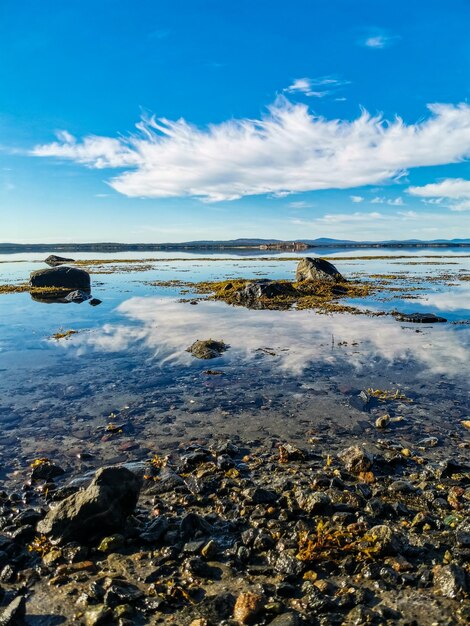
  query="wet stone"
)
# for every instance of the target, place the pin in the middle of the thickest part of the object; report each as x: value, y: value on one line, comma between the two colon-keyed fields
x: 287, y: 564
x: 450, y: 580
x: 46, y: 470
x: 103, y: 506
x: 111, y: 543
x: 97, y: 615
x: 14, y: 613
x: 314, y: 502
x: 247, y: 607
x: 356, y: 460
x: 286, y: 619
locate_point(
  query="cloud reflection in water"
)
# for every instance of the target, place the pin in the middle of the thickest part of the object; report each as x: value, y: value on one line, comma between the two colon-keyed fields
x: 299, y: 338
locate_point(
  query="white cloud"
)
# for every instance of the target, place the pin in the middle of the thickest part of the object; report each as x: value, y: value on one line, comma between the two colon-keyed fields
x: 310, y: 86
x: 461, y: 206
x: 379, y: 40
x: 357, y: 199
x: 381, y: 226
x: 288, y: 150
x: 408, y: 214
x: 376, y: 42
x: 300, y: 204
x: 305, y: 86
x: 336, y: 218
x: 390, y: 201
x: 456, y: 190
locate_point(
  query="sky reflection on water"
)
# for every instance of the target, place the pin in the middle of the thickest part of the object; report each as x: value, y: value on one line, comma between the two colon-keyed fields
x: 166, y: 328
x: 286, y: 372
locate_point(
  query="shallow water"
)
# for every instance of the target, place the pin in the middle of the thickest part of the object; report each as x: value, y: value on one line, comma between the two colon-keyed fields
x: 287, y: 374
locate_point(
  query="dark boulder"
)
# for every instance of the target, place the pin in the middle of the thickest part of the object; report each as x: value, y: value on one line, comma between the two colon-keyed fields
x: 54, y: 260
x: 45, y: 470
x: 61, y: 277
x: 419, y: 318
x: 317, y: 269
x: 100, y: 509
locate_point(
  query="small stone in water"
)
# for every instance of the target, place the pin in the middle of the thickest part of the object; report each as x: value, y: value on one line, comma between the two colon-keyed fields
x: 383, y: 421
x: 429, y: 442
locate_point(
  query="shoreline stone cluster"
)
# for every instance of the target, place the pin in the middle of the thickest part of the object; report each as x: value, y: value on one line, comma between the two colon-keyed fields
x: 236, y: 533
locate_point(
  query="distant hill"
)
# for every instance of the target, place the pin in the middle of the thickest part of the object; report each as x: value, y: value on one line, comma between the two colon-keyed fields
x: 240, y: 244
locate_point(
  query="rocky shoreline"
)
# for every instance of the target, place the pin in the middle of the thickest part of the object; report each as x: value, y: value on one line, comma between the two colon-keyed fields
x: 230, y: 532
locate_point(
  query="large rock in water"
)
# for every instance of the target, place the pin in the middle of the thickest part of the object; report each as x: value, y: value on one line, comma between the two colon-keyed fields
x: 100, y: 509
x: 62, y: 277
x: 317, y: 269
x: 54, y: 260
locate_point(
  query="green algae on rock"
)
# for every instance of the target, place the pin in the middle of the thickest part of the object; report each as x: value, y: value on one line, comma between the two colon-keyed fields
x: 207, y: 348
x: 283, y: 294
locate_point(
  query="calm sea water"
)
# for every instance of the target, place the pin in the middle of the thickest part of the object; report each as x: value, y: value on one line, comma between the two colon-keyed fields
x: 287, y: 374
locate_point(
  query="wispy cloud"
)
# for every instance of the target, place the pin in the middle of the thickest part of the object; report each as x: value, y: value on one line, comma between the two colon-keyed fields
x: 346, y: 218
x: 381, y: 226
x: 390, y: 201
x: 305, y: 86
x: 356, y: 199
x: 300, y: 204
x: 454, y: 190
x: 288, y: 150
x: 378, y: 39
x: 315, y: 87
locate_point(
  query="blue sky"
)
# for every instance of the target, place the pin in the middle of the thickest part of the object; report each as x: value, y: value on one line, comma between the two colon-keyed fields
x: 279, y: 119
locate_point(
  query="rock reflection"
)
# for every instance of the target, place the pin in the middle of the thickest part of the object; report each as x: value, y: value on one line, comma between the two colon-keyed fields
x: 294, y: 339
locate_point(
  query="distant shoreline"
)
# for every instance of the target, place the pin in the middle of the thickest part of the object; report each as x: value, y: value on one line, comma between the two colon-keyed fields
x: 282, y: 246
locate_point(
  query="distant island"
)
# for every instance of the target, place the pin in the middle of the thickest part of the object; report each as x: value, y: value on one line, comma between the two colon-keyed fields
x: 240, y: 244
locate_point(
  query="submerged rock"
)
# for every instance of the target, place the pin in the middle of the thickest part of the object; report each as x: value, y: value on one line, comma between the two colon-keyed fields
x: 317, y: 269
x: 78, y: 296
x: 101, y: 508
x: 419, y: 318
x: 54, y: 260
x: 207, y: 348
x: 61, y: 277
